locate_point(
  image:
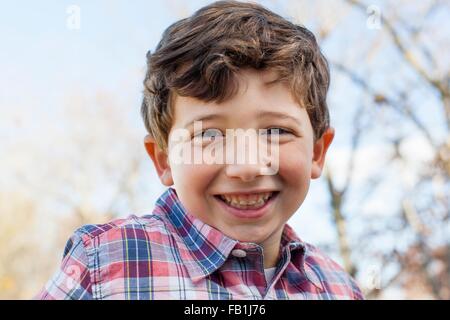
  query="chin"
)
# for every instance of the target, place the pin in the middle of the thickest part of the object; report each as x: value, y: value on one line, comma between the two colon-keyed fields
x: 245, y: 235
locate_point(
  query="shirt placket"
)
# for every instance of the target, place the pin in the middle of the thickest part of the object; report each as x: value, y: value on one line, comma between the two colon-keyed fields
x: 280, y: 268
x: 250, y: 258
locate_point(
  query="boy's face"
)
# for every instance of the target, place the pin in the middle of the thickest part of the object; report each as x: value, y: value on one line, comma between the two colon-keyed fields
x: 205, y: 188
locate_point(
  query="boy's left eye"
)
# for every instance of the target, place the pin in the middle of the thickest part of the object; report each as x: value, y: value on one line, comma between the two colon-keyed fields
x: 276, y: 130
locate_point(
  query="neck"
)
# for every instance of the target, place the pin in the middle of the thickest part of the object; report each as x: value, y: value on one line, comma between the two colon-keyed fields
x: 271, y: 247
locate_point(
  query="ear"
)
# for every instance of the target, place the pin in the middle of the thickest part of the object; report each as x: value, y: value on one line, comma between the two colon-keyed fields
x: 320, y: 149
x: 160, y: 160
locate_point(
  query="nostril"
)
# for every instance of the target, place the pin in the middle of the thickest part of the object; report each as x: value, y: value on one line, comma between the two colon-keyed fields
x: 246, y: 172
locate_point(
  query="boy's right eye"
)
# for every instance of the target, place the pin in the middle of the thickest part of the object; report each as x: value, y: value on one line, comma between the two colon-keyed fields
x: 209, y: 135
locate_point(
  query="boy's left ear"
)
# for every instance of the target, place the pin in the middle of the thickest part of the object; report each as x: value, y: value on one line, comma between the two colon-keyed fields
x: 320, y: 149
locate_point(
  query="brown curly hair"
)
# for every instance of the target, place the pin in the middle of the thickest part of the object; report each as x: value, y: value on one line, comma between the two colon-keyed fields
x: 199, y: 56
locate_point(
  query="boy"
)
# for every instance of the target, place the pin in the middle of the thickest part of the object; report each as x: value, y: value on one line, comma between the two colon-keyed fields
x: 232, y: 69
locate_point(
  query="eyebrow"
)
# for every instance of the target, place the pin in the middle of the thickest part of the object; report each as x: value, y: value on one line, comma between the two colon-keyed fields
x: 281, y: 115
x: 204, y: 118
x: 264, y: 114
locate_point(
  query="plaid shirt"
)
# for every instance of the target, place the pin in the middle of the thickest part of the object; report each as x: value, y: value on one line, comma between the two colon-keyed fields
x: 172, y: 255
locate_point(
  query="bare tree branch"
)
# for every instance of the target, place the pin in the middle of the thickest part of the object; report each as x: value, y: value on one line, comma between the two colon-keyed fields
x: 441, y: 85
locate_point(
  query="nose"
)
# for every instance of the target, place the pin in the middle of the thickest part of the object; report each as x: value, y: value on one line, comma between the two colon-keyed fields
x: 245, y: 172
x: 251, y: 159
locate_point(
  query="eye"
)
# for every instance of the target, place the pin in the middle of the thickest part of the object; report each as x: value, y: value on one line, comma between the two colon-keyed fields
x: 209, y: 134
x: 276, y: 131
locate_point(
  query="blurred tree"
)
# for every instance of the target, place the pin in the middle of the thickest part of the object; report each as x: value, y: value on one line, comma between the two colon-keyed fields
x: 82, y: 169
x: 398, y: 68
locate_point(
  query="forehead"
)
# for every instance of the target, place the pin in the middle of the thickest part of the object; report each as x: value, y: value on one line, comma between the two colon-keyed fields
x: 258, y: 92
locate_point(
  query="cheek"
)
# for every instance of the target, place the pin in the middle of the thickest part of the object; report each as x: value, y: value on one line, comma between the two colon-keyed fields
x: 188, y: 171
x: 295, y: 165
x: 294, y: 172
x: 190, y: 184
x: 193, y: 179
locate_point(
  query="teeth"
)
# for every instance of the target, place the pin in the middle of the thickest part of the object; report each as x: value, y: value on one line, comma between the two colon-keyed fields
x: 247, y: 201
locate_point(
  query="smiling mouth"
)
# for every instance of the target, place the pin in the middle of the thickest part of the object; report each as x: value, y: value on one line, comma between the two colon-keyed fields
x: 247, y: 201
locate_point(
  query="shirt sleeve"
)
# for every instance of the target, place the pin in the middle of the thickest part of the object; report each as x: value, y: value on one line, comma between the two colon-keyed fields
x: 72, y: 281
x: 356, y: 290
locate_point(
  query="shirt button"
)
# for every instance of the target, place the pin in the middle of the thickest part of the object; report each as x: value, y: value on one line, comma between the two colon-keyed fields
x: 239, y: 253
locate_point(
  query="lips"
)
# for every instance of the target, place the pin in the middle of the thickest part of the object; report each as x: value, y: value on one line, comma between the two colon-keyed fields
x: 247, y: 205
x: 246, y: 201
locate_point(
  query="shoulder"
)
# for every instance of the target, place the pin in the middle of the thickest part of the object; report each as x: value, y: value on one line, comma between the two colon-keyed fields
x: 148, y: 228
x: 333, y: 277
